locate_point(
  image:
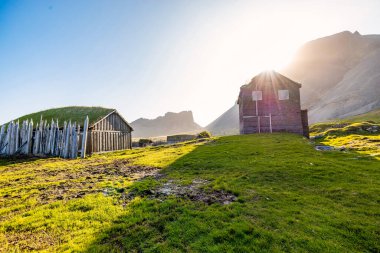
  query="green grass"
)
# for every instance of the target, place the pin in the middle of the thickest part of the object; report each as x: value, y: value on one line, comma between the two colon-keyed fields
x: 73, y: 113
x: 360, y: 133
x: 289, y: 198
x: 369, y: 116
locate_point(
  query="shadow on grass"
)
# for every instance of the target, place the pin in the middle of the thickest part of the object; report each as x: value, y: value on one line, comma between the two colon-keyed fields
x: 290, y: 198
x: 6, y: 161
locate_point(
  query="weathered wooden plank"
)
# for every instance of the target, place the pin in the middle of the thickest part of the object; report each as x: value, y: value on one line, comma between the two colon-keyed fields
x: 102, y: 140
x: 2, y: 138
x: 17, y: 137
x: 84, y: 140
x: 62, y: 142
x: 35, y: 140
x: 73, y: 152
x: 67, y: 141
x: 28, y: 149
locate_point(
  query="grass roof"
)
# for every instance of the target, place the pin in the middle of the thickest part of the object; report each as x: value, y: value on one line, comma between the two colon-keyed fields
x: 73, y: 113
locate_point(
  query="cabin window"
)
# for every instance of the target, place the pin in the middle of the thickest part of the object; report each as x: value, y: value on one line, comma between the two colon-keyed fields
x: 257, y: 95
x: 283, y: 94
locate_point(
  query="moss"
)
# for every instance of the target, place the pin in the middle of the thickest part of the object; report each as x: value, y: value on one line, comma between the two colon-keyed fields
x: 73, y: 113
x: 362, y: 137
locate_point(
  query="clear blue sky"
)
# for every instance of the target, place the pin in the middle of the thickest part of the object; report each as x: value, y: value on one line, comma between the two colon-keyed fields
x: 148, y: 57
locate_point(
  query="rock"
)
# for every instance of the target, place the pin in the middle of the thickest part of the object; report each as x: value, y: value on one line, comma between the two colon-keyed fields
x: 324, y: 148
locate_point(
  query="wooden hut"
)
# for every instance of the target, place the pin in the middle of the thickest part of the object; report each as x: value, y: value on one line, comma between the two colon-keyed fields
x: 271, y: 103
x: 110, y: 133
x: 107, y: 131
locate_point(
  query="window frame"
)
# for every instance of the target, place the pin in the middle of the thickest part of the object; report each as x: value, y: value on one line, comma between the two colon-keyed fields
x: 283, y: 96
x: 257, y: 95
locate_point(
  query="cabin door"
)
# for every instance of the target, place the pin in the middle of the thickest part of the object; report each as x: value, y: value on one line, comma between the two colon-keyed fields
x: 264, y: 124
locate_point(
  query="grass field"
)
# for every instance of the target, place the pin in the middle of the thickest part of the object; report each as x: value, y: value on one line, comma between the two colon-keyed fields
x: 283, y: 196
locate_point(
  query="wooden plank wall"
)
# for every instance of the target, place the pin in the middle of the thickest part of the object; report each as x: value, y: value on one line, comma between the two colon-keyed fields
x: 109, y: 134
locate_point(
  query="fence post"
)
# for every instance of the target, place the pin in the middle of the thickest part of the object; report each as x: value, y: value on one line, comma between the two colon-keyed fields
x: 29, y: 138
x: 10, y: 135
x: 17, y: 136
x: 67, y: 141
x: 2, y: 137
x: 84, y: 138
x: 78, y: 139
x: 73, y: 141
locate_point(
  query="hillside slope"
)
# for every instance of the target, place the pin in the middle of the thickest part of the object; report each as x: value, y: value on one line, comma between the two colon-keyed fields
x: 369, y: 116
x: 170, y: 123
x: 227, y: 123
x: 340, y: 75
x: 251, y: 193
x: 360, y: 133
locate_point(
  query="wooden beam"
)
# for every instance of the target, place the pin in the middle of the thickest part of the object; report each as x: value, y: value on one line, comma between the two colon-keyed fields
x: 84, y: 139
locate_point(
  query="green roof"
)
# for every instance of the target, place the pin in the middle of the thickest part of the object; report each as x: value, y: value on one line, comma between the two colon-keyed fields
x: 73, y: 113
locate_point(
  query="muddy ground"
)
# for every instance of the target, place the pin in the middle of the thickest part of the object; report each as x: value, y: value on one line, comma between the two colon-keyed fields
x: 196, y: 191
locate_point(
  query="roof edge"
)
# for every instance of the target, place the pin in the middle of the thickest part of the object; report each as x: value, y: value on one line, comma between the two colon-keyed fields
x: 114, y: 111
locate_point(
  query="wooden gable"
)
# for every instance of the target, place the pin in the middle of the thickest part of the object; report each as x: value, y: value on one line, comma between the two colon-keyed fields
x: 112, y: 122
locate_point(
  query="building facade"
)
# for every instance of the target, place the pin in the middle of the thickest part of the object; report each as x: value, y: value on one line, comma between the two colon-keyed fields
x: 271, y: 103
x: 110, y: 133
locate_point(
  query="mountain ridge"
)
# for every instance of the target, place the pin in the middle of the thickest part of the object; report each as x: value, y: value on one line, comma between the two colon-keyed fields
x: 170, y: 123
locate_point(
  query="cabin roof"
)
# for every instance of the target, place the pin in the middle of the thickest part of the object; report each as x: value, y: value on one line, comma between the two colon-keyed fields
x: 273, y: 76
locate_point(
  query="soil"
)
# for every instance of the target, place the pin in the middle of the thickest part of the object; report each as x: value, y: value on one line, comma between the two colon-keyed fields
x: 195, y: 191
x: 82, y: 182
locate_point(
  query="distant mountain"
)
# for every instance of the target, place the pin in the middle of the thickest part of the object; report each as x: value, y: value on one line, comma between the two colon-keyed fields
x: 227, y: 123
x: 340, y: 77
x: 170, y: 123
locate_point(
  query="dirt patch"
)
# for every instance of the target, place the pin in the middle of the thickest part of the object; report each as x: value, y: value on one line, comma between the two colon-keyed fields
x: 30, y: 241
x: 79, y: 183
x: 194, y: 191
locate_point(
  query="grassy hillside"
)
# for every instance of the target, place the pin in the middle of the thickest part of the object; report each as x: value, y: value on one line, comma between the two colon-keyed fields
x: 369, y: 116
x: 73, y: 113
x: 360, y: 133
x: 267, y: 193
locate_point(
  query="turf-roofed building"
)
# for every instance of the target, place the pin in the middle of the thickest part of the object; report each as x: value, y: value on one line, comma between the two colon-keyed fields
x: 107, y: 131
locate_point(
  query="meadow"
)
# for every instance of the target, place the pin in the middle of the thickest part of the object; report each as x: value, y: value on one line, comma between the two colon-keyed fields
x: 251, y: 193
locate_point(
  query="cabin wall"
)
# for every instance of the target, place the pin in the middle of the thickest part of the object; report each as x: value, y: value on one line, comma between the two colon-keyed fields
x: 109, y: 134
x: 285, y: 114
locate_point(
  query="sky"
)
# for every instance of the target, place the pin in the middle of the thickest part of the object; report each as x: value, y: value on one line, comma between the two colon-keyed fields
x: 147, y: 57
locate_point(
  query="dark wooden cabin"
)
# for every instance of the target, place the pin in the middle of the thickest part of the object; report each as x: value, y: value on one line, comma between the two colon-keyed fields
x: 271, y: 103
x: 110, y: 133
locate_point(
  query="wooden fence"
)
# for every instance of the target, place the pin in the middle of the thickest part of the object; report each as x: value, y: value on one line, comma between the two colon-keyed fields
x: 45, y: 139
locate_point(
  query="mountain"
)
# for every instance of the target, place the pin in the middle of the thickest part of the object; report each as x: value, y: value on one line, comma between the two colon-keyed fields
x: 339, y: 74
x: 340, y: 77
x: 170, y: 123
x: 227, y: 123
